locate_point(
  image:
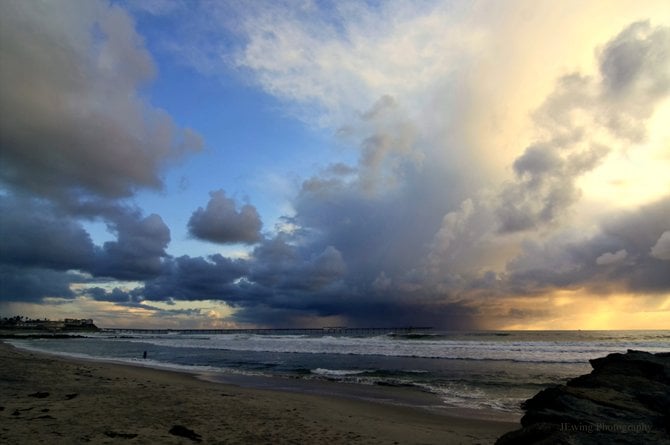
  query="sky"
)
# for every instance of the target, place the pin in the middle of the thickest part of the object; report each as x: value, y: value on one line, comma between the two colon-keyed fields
x: 220, y: 164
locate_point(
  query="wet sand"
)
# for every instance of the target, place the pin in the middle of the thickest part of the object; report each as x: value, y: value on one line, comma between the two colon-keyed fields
x: 48, y: 399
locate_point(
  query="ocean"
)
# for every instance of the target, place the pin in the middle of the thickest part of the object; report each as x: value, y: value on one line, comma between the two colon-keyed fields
x: 490, y: 372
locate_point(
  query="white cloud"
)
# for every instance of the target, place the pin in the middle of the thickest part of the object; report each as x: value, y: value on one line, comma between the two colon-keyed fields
x: 339, y: 64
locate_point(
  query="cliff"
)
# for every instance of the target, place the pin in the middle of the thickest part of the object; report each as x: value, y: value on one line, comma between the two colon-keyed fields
x: 624, y: 400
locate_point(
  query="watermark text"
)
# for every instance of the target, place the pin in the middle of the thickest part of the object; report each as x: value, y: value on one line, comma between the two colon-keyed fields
x: 624, y: 428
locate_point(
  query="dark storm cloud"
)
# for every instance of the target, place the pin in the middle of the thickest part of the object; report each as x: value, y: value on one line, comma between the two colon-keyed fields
x: 276, y: 275
x: 116, y: 295
x: 20, y: 283
x: 353, y: 225
x: 40, y: 238
x: 221, y: 222
x: 34, y: 234
x: 619, y: 258
x: 279, y: 265
x: 72, y: 119
x: 131, y: 299
x: 188, y: 278
x: 404, y: 311
x: 76, y: 135
x: 138, y: 251
x: 376, y: 233
x: 285, y: 283
x: 363, y: 313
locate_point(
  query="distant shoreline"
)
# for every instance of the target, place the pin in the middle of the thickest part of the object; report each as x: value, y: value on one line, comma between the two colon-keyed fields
x: 34, y: 335
x: 22, y: 324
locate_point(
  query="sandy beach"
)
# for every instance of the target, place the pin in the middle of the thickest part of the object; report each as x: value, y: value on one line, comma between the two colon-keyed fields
x: 47, y: 399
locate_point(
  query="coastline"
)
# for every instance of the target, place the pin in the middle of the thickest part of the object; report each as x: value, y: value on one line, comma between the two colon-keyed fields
x: 625, y: 399
x: 53, y: 398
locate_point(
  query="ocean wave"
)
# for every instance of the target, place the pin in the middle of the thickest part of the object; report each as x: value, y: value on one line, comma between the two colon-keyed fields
x: 338, y: 372
x: 514, y: 351
x: 467, y: 396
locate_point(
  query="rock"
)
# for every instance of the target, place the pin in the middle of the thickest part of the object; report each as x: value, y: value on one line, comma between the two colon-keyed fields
x: 624, y: 400
x: 182, y: 431
x: 39, y: 395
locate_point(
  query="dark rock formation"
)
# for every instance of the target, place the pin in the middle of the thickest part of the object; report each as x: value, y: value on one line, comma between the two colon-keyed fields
x: 182, y: 431
x: 624, y: 400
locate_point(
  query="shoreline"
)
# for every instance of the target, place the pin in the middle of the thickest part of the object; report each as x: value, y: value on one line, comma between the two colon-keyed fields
x: 89, y: 401
x: 394, y: 395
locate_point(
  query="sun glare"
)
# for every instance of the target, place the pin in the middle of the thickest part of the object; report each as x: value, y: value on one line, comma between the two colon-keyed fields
x: 574, y: 310
x: 634, y: 175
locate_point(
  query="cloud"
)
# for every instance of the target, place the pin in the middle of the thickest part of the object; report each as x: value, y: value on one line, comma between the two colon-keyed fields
x: 41, y: 241
x: 188, y: 278
x: 157, y: 7
x: 21, y: 283
x: 280, y: 266
x: 327, y: 61
x: 635, y: 67
x: 74, y: 121
x: 34, y: 234
x: 661, y: 249
x: 572, y: 260
x: 634, y: 64
x: 116, y: 295
x: 220, y: 222
x: 608, y: 258
x: 424, y: 227
x: 139, y: 250
x: 361, y: 312
x: 39, y: 235
x: 407, y: 248
x: 487, y: 231
x: 524, y: 235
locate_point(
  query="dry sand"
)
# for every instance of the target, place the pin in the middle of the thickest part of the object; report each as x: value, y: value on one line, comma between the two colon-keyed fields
x: 47, y: 399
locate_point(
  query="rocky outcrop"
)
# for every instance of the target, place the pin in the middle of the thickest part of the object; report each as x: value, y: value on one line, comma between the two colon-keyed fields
x: 624, y: 400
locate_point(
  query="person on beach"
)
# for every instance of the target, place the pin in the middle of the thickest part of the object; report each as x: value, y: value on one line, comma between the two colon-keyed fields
x: 144, y: 355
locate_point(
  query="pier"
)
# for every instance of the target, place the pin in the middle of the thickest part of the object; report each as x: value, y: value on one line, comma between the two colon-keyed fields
x: 277, y: 331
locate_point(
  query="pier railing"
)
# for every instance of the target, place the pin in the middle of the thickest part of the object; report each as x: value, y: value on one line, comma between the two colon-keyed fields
x: 277, y: 331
